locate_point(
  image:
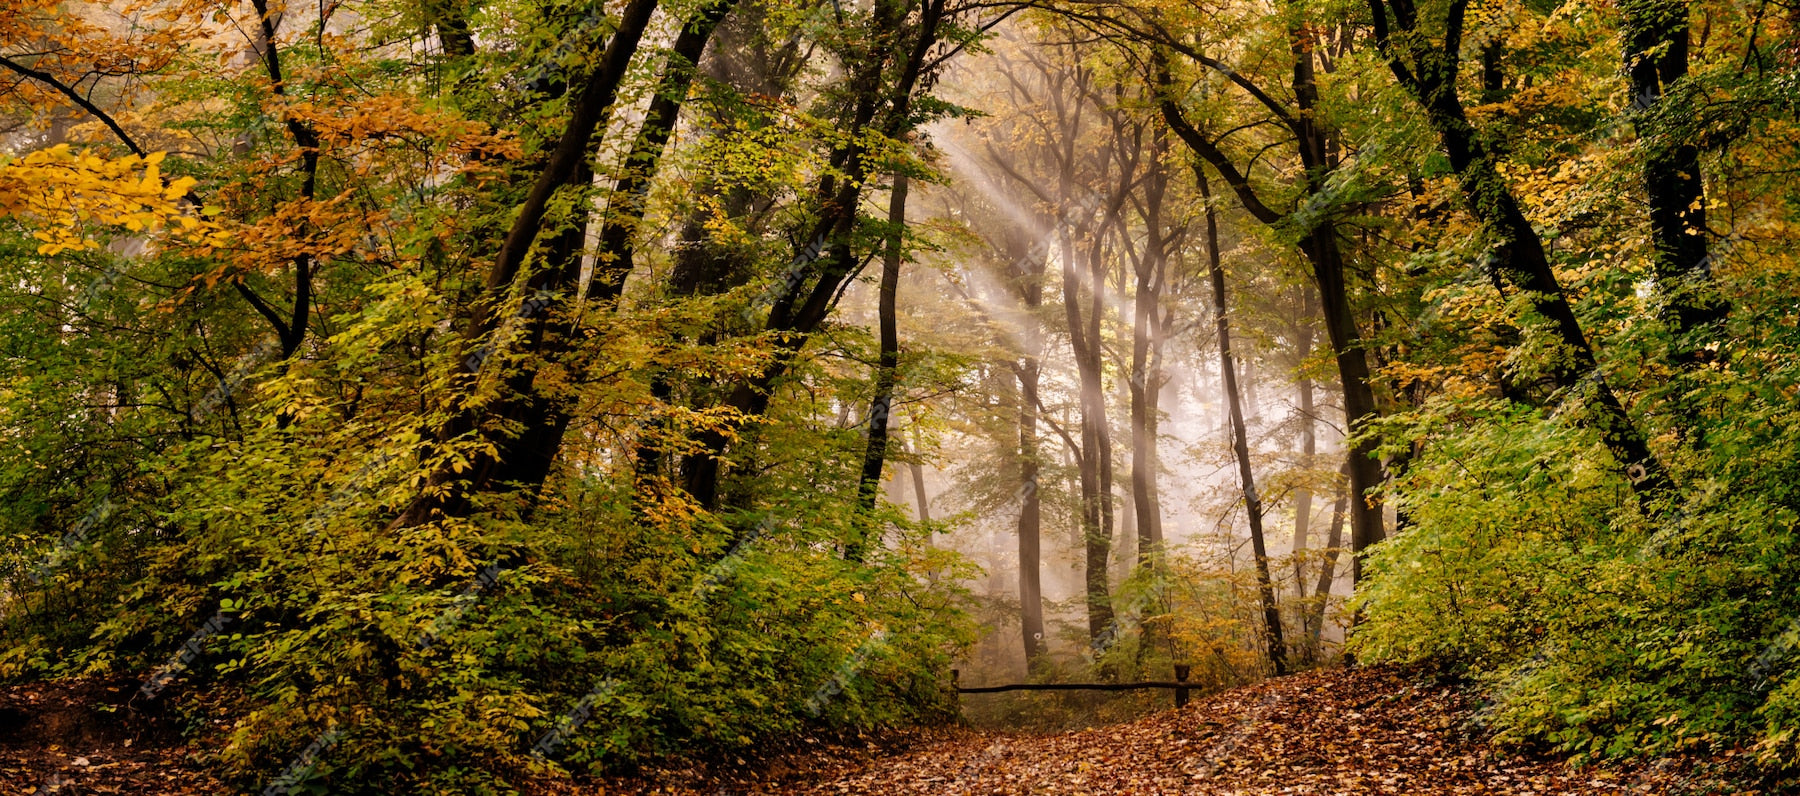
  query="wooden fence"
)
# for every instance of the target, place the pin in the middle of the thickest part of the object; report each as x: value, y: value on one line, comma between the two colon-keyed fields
x: 1180, y: 686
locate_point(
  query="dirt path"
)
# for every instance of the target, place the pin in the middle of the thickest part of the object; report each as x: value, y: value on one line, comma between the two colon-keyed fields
x: 1370, y: 731
x: 1365, y: 732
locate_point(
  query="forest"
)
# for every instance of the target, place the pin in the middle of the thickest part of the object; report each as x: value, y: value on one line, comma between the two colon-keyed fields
x: 557, y: 396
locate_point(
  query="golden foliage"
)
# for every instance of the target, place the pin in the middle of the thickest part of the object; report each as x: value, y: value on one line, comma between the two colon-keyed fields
x: 64, y: 194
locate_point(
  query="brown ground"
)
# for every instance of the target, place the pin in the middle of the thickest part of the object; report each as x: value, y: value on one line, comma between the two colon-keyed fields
x: 83, y: 738
x: 1368, y: 731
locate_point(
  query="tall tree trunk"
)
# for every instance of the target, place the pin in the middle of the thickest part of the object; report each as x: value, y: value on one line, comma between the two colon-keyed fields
x: 887, y: 369
x: 1029, y: 273
x: 1359, y: 400
x: 1656, y: 57
x: 1031, y: 589
x: 1093, y: 414
x: 1303, y: 494
x: 1327, y: 260
x: 1096, y: 542
x: 614, y: 254
x: 748, y: 64
x: 1320, y: 247
x: 1145, y: 381
x: 1240, y: 439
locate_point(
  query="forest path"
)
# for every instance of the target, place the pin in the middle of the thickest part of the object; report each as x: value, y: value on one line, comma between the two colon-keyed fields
x: 1377, y: 730
x: 1366, y: 731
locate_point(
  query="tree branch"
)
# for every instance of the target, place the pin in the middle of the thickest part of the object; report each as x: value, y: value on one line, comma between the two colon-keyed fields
x: 74, y: 96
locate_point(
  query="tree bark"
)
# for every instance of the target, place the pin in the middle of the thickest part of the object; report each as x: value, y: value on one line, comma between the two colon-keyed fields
x: 451, y: 21
x: 1145, y: 380
x: 1028, y: 274
x: 918, y: 479
x: 827, y: 258
x: 1096, y: 541
x: 1303, y: 495
x: 887, y: 369
x: 1328, y: 567
x: 1031, y: 589
x: 1428, y: 72
x: 1656, y: 58
x: 524, y: 458
x: 614, y: 254
x: 1320, y: 247
x: 1240, y: 439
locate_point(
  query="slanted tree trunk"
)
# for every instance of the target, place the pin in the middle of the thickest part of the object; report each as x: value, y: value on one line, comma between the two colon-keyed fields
x: 826, y: 257
x: 1321, y: 250
x: 1240, y: 438
x: 614, y: 254
x: 1359, y: 400
x: 1321, y: 245
x: 744, y: 61
x: 1428, y: 71
x: 1328, y: 567
x: 524, y: 427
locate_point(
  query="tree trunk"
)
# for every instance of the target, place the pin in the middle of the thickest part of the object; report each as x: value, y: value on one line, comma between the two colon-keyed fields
x: 827, y: 258
x: 1093, y: 414
x: 451, y: 22
x: 1029, y: 273
x: 1359, y: 400
x: 1031, y: 588
x: 1145, y: 382
x: 919, y: 495
x: 1656, y: 58
x: 1328, y: 567
x: 1319, y: 246
x: 1096, y: 542
x: 1240, y: 441
x: 1519, y: 255
x: 887, y: 370
x: 523, y: 459
x: 1327, y: 260
x: 614, y: 253
x: 1303, y: 495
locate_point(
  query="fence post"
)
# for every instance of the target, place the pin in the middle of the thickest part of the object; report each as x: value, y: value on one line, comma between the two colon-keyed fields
x: 1181, y: 692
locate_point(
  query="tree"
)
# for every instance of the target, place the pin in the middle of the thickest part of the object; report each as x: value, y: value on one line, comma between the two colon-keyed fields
x: 887, y: 369
x: 1428, y: 71
x: 1656, y: 58
x: 1240, y: 442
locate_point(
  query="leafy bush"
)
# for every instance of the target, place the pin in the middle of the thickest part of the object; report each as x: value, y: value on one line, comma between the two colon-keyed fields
x: 1601, y: 628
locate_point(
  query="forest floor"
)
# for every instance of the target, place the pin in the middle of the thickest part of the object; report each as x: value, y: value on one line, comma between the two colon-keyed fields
x: 1366, y: 731
x: 1374, y: 730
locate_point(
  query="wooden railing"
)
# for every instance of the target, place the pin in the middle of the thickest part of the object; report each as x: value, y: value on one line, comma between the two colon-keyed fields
x: 1180, y: 686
